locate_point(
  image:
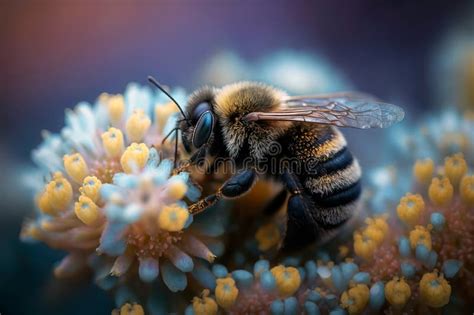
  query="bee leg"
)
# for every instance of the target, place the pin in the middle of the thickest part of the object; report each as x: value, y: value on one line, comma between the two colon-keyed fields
x: 301, y: 228
x: 234, y: 187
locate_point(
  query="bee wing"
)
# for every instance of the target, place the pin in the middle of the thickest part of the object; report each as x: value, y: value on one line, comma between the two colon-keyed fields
x: 345, y: 109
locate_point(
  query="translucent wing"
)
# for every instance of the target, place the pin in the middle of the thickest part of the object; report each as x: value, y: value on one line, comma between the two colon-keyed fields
x: 343, y: 109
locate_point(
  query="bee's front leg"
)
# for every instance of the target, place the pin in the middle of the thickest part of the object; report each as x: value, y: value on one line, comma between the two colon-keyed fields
x: 234, y: 187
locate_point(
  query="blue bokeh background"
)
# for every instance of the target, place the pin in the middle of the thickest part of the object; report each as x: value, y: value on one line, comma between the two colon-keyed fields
x: 55, y: 54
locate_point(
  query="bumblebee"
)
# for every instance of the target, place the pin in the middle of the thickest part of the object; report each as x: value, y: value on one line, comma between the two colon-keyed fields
x: 245, y: 121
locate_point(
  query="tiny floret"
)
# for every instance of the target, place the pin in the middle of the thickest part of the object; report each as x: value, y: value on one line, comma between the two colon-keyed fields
x: 397, y: 292
x: 435, y: 291
x: 86, y: 210
x: 355, y: 299
x: 172, y: 218
x: 440, y: 191
x: 134, y: 158
x: 410, y: 208
x: 76, y: 167
x: 91, y: 188
x: 204, y: 305
x: 423, y: 171
x: 287, y: 279
x: 112, y: 141
x: 226, y: 292
x: 467, y: 190
x: 455, y: 167
x: 137, y: 126
x: 420, y: 236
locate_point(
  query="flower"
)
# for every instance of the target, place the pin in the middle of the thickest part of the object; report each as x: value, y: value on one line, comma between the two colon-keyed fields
x: 397, y: 292
x: 355, y: 299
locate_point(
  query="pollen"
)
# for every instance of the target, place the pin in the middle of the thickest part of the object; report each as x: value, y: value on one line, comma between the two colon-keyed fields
x: 76, y: 167
x: 134, y: 158
x: 397, y: 292
x: 435, y: 291
x: 91, y: 188
x: 288, y: 279
x: 420, y: 236
x: 137, y: 125
x: 112, y: 141
x: 226, y: 292
x: 204, y: 305
x: 364, y: 246
x: 59, y: 192
x: 440, y: 191
x: 455, y: 168
x: 423, y: 171
x: 86, y: 210
x: 172, y: 218
x: 410, y: 208
x: 267, y: 236
x: 355, y: 299
x: 467, y: 190
x: 176, y: 189
x: 116, y: 108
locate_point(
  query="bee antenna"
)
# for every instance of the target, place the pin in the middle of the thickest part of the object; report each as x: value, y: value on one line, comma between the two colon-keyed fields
x: 155, y: 83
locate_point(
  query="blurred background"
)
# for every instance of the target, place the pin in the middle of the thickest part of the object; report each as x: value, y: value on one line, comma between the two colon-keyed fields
x: 55, y: 54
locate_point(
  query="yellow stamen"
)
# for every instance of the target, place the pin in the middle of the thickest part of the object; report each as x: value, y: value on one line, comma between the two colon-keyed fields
x: 172, y: 218
x: 204, y: 305
x: 91, y: 187
x: 440, y: 191
x: 420, y: 236
x: 137, y: 125
x: 135, y: 157
x: 355, y: 299
x: 86, y: 210
x: 288, y: 279
x: 59, y: 192
x: 226, y: 292
x: 455, y: 168
x: 112, y: 141
x: 76, y: 167
x: 116, y: 108
x: 410, y: 208
x: 397, y: 292
x: 423, y: 171
x: 132, y: 309
x: 162, y: 113
x: 435, y: 291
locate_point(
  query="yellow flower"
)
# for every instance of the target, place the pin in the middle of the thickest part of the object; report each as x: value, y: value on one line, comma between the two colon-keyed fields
x: 423, y: 171
x: 455, y: 168
x: 267, y: 236
x: 410, y: 208
x: 59, y: 193
x: 91, y: 188
x: 75, y: 167
x: 355, y: 299
x: 288, y: 279
x: 440, y: 191
x: 172, y: 218
x: 226, y: 292
x: 364, y: 246
x: 116, y: 108
x: 467, y: 190
x: 137, y: 125
x: 204, y: 305
x: 112, y: 141
x: 420, y: 236
x: 435, y: 291
x: 86, y: 210
x: 135, y: 157
x: 44, y: 204
x: 132, y: 309
x: 397, y: 292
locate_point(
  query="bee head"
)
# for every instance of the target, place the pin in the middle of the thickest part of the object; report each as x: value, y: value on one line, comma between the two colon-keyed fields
x: 197, y: 129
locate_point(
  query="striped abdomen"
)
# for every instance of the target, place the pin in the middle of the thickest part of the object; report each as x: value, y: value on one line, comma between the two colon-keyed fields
x: 330, y: 176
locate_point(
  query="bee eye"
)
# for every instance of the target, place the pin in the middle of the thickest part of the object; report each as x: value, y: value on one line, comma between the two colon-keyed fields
x: 203, y: 129
x: 199, y: 110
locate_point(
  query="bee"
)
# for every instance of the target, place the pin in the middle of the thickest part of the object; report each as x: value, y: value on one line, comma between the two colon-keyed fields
x: 243, y: 121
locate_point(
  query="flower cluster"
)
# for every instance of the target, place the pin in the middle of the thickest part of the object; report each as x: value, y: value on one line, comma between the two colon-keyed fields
x: 112, y: 200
